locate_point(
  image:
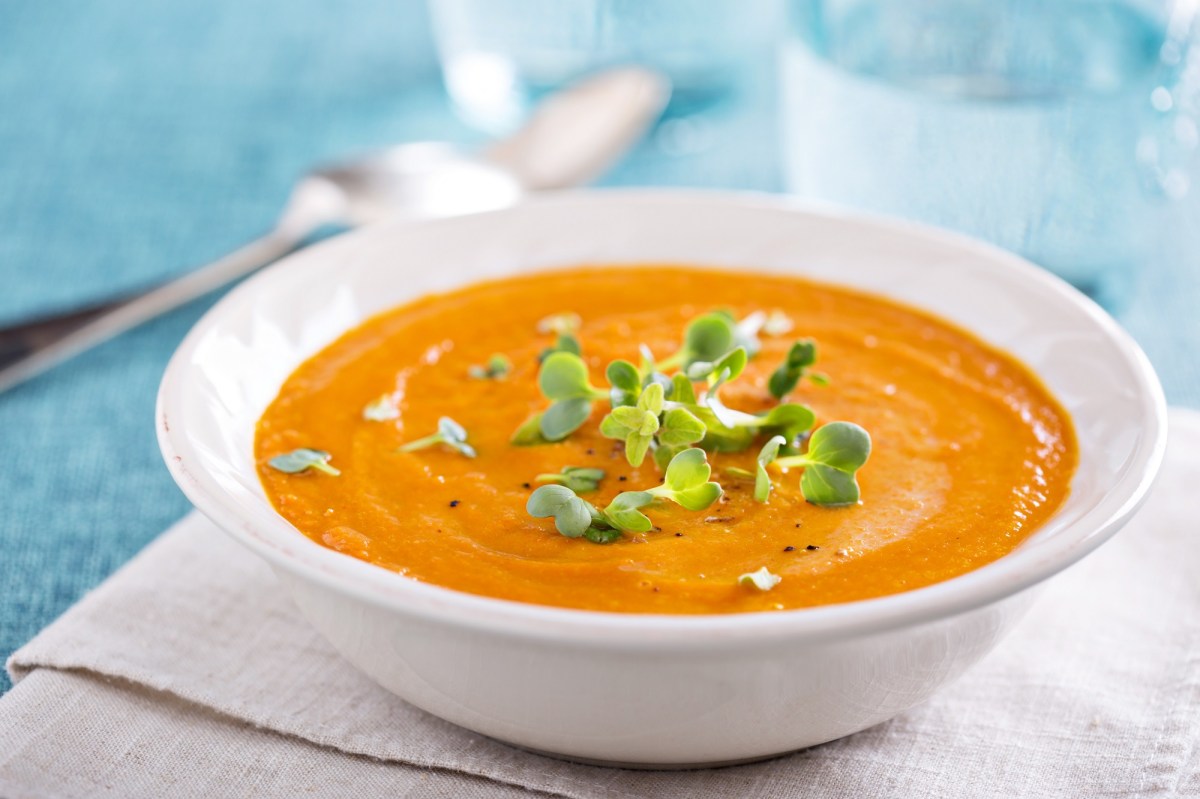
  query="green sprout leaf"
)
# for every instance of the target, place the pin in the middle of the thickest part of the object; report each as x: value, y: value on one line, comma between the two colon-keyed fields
x: 762, y: 579
x: 572, y: 515
x: 579, y: 479
x: 828, y: 487
x: 789, y: 420
x: 564, y: 376
x: 602, y: 535
x: 625, y: 382
x: 660, y: 379
x: 726, y: 368
x: 840, y: 445
x: 686, y: 481
x: 680, y: 427
x: 624, y: 511
x: 800, y: 358
x: 383, y: 409
x: 682, y: 390
x: 762, y: 480
x: 636, y: 426
x: 497, y: 368
x: 450, y: 433
x: 564, y: 342
x: 718, y: 437
x: 303, y: 459
x: 664, y: 453
x: 707, y: 338
x: 563, y: 379
x: 836, y: 451
x: 529, y: 434
x: 563, y: 418
x: 734, y: 431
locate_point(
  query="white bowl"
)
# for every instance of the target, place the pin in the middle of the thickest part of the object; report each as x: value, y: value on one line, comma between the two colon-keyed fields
x: 645, y: 689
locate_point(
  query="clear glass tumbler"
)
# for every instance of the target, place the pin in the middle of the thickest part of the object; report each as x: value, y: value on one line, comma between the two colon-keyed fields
x: 499, y: 56
x: 1046, y: 126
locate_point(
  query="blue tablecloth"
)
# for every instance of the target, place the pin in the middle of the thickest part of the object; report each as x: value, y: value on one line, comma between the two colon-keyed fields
x: 138, y: 139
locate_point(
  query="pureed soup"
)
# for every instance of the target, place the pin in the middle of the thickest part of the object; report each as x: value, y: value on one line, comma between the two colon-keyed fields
x: 665, y: 440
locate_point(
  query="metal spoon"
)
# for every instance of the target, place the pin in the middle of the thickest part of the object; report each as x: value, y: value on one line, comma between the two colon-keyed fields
x: 569, y: 139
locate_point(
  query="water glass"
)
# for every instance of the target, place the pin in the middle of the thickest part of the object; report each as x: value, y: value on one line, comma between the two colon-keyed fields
x: 499, y: 56
x: 1050, y: 127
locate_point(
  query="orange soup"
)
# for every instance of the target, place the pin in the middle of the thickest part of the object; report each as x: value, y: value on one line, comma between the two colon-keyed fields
x: 969, y: 454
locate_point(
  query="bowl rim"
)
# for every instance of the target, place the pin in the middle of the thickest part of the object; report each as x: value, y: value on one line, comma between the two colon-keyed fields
x: 288, y: 550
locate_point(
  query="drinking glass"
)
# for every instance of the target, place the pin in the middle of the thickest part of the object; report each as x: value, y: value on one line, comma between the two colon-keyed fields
x: 499, y: 56
x: 1049, y: 127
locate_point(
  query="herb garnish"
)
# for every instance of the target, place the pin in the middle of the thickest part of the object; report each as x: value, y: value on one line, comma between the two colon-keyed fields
x: 303, y: 459
x: 450, y: 433
x: 647, y: 424
x: 579, y: 479
x: 705, y: 339
x: 762, y: 579
x: 795, y: 366
x: 497, y: 368
x: 685, y: 483
x: 672, y: 408
x: 836, y: 451
x: 563, y: 379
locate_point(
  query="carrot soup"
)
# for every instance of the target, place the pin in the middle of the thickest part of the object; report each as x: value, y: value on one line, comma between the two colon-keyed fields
x: 665, y: 439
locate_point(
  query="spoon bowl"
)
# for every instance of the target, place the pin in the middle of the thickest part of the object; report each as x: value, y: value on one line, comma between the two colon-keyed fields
x: 422, y: 179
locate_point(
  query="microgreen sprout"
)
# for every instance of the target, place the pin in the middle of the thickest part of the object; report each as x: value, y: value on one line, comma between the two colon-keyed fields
x: 497, y: 368
x: 579, y: 479
x: 762, y: 480
x: 303, y: 459
x: 836, y: 451
x: 572, y: 515
x: 626, y: 383
x: 565, y: 342
x: 382, y: 409
x: 762, y: 579
x: 682, y: 390
x: 686, y: 483
x: 636, y: 425
x: 671, y: 408
x: 529, y: 434
x: 706, y: 338
x: 450, y: 433
x: 734, y: 430
x: 797, y: 364
x: 647, y: 425
x: 564, y: 381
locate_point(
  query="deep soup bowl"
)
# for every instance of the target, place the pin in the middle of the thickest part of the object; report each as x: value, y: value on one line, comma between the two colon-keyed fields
x: 657, y: 690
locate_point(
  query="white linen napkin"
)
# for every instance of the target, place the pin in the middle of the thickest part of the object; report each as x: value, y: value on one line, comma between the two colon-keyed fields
x: 190, y: 674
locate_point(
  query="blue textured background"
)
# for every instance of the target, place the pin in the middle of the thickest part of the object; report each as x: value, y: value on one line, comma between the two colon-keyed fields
x: 138, y: 139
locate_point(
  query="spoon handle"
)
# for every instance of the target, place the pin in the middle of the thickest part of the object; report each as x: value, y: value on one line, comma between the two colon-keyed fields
x: 29, y: 348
